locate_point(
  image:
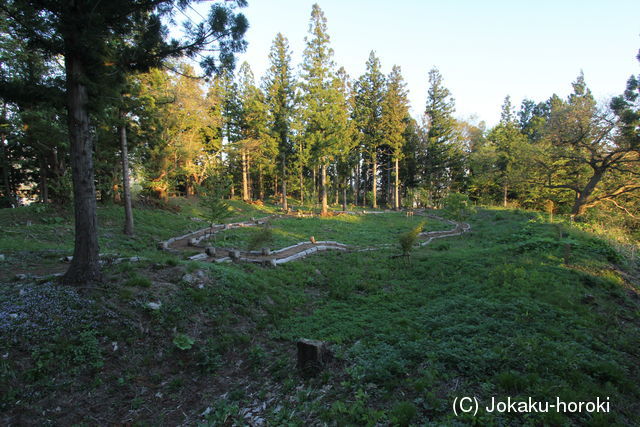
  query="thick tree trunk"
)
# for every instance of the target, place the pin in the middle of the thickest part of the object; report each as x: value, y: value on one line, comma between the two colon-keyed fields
x: 126, y: 185
x: 374, y: 182
x: 582, y: 197
x: 245, y: 178
x: 323, y: 184
x: 285, y: 206
x: 396, y: 189
x: 84, y: 265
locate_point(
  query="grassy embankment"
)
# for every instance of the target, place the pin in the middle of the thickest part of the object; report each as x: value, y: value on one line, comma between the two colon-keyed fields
x: 519, y: 307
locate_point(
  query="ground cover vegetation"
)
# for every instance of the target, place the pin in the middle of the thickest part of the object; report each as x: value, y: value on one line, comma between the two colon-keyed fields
x: 502, y: 311
x: 120, y: 142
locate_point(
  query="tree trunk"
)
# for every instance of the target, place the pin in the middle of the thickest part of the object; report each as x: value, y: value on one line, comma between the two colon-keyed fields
x: 84, y: 265
x: 582, y: 197
x: 44, y: 185
x: 323, y: 184
x: 357, y: 186
x: 260, y: 184
x: 249, y: 180
x: 396, y: 187
x: 505, y: 192
x: 374, y: 182
x: 245, y: 178
x: 313, y: 188
x: 344, y: 195
x: 285, y: 207
x: 126, y: 185
x: 6, y: 184
x: 301, y: 186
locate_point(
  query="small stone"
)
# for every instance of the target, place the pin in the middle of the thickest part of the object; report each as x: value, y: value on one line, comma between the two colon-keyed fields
x: 114, y: 345
x: 21, y: 276
x: 193, y: 242
x: 234, y: 254
x: 266, y: 251
x: 154, y: 305
x: 160, y: 245
x: 2, y: 257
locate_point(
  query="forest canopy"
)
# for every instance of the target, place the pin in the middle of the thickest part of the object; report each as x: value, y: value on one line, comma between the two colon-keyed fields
x: 90, y: 92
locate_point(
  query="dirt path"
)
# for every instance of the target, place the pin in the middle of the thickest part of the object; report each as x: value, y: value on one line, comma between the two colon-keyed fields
x: 196, y: 239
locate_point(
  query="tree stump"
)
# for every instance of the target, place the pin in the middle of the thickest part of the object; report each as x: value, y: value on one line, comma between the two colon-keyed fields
x: 193, y: 242
x: 312, y: 240
x: 266, y: 251
x: 211, y: 251
x: 312, y: 356
x: 234, y: 254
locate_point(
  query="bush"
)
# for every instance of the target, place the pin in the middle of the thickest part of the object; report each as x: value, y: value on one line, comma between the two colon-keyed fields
x: 458, y: 206
x: 409, y: 239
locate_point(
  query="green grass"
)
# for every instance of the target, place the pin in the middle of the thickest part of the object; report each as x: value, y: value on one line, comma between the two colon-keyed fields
x: 501, y: 311
x: 355, y: 230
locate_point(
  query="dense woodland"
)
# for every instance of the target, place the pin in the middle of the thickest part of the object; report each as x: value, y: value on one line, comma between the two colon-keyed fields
x: 306, y: 131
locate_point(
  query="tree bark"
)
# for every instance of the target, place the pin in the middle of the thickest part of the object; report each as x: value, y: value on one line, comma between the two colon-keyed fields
x: 126, y: 186
x: 260, y: 184
x: 344, y: 195
x: 357, y: 186
x: 44, y: 185
x: 285, y: 207
x: 582, y: 197
x: 8, y: 194
x: 313, y: 191
x: 84, y: 265
x: 505, y: 192
x: 323, y: 184
x: 374, y: 182
x: 245, y: 179
x: 301, y: 186
x: 396, y: 190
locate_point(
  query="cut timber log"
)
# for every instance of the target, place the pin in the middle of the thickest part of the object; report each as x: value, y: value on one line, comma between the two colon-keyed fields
x: 313, y: 355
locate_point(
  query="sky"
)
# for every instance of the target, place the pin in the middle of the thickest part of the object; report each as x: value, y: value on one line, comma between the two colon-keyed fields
x: 485, y: 50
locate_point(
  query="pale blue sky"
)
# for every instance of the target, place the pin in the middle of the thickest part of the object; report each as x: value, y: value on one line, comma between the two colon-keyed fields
x: 485, y: 50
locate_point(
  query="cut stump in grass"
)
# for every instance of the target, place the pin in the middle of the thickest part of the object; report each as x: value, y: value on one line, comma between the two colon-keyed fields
x: 211, y: 251
x: 313, y: 355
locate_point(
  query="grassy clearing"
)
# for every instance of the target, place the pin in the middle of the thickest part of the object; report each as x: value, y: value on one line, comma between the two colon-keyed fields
x: 502, y: 311
x: 356, y: 230
x: 34, y: 238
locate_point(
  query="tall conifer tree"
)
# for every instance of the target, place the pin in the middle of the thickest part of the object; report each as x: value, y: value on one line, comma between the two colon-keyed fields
x: 395, y: 115
x: 324, y: 116
x: 370, y: 90
x: 279, y: 86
